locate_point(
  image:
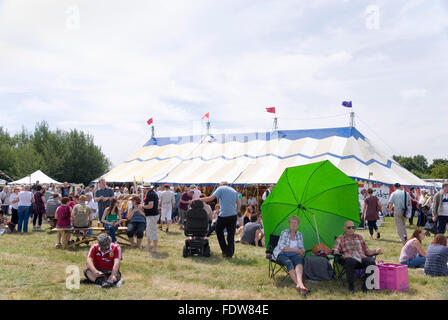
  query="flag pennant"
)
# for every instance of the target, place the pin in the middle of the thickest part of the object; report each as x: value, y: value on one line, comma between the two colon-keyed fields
x: 347, y: 104
x: 270, y: 110
x: 149, y: 122
x: 207, y: 115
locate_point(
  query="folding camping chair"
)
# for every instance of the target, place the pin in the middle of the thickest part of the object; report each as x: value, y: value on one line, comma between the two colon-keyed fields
x: 274, y: 266
x: 339, y: 270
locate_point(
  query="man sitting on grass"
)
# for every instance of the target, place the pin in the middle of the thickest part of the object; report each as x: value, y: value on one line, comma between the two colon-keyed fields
x: 354, y: 254
x: 103, y: 263
x: 253, y: 231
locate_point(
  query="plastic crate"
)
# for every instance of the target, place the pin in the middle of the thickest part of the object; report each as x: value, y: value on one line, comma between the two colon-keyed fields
x: 393, y: 277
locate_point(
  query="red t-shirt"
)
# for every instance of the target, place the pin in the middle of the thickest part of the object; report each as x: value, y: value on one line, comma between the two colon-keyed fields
x: 105, y: 260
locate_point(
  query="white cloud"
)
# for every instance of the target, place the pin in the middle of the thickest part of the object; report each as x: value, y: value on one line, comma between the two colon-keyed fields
x: 175, y: 61
x: 414, y: 93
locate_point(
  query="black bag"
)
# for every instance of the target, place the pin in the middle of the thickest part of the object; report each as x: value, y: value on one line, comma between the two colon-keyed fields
x: 430, y: 225
x: 33, y: 208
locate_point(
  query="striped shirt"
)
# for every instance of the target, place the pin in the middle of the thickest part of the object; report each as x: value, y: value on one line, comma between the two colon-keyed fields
x: 436, y: 259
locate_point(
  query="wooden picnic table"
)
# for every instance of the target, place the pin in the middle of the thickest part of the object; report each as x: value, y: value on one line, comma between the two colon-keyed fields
x: 83, y: 236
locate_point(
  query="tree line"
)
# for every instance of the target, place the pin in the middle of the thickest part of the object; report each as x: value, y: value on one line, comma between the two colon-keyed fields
x: 419, y: 166
x: 63, y: 155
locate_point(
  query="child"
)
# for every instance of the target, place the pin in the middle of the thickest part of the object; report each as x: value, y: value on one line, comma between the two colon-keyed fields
x: 64, y: 217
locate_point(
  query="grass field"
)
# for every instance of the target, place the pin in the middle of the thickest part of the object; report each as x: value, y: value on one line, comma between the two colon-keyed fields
x: 31, y: 268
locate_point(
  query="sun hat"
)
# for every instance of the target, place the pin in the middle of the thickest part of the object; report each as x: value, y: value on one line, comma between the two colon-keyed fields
x: 148, y: 186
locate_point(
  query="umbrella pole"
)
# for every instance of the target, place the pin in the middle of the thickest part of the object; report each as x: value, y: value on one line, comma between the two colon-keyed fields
x: 317, y: 231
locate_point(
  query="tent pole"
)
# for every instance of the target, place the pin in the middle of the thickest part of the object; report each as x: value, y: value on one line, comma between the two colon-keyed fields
x: 258, y: 194
x: 317, y: 231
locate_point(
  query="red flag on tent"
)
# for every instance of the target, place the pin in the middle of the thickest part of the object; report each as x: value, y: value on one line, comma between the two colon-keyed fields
x: 270, y: 110
x: 207, y: 115
x: 149, y: 122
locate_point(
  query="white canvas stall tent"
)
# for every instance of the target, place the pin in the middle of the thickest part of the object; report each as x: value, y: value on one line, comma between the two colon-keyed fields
x: 36, y: 176
x: 258, y: 158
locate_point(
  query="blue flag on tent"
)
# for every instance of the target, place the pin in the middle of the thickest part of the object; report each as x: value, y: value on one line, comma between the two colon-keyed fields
x: 347, y: 104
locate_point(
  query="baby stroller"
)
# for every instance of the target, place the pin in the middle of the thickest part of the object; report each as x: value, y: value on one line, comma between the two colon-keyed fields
x: 196, y: 229
x: 430, y: 226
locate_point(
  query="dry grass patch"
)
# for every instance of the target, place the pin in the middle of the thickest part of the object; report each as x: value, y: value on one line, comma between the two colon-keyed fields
x: 33, y: 269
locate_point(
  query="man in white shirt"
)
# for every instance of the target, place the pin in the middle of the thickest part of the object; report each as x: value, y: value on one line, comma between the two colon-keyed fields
x: 197, y: 192
x: 92, y: 204
x: 166, y: 204
x: 252, y: 201
x: 400, y: 199
x: 24, y: 199
x: 117, y: 192
x: 267, y: 192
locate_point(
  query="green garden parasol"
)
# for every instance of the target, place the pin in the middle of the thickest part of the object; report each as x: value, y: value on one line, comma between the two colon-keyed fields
x: 320, y: 194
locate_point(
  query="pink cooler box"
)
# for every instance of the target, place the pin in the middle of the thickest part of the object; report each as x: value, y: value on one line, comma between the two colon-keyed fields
x: 393, y: 277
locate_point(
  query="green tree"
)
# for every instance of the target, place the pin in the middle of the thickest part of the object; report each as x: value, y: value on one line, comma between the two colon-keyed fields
x: 83, y: 160
x: 418, y: 165
x: 66, y: 156
x: 6, y: 153
x: 436, y: 163
x: 440, y: 170
x: 27, y: 160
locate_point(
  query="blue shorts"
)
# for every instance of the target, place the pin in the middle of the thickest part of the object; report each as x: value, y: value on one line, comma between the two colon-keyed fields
x: 290, y: 259
x: 66, y: 227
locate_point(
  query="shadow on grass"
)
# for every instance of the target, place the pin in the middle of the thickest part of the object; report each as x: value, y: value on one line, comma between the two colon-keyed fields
x: 390, y: 241
x: 336, y: 287
x: 171, y: 233
x: 244, y: 261
x: 159, y: 255
x: 213, y: 259
x: 78, y: 248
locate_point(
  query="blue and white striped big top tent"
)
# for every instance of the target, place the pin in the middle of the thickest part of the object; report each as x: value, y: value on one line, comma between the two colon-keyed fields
x: 258, y: 158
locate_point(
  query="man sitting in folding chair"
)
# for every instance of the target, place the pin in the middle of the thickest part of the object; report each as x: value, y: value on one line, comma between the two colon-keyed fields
x: 290, y: 252
x: 352, y: 253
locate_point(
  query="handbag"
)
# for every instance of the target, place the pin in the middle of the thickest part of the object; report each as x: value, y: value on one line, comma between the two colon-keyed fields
x: 33, y: 208
x: 431, y: 226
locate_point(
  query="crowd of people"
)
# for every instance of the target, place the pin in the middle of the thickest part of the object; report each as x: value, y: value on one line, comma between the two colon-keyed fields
x: 139, y: 208
x: 146, y: 209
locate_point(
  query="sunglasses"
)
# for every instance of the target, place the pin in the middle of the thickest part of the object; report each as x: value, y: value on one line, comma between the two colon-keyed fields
x: 350, y: 227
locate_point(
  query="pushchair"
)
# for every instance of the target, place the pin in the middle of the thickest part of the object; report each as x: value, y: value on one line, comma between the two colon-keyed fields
x: 430, y: 226
x: 197, y: 230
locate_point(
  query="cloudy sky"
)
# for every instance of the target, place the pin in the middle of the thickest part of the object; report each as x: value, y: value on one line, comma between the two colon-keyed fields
x: 105, y: 67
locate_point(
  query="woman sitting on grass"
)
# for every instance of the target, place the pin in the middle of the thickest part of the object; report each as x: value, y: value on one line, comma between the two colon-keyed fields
x: 412, y: 254
x: 437, y: 257
x: 290, y: 252
x: 112, y: 218
x: 63, y: 216
x: 248, y: 214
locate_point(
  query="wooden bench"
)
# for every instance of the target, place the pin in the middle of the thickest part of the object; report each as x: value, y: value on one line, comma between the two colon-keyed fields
x: 87, y: 238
